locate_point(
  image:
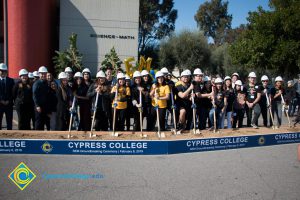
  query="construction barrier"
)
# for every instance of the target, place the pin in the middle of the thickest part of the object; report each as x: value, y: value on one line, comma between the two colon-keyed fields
x: 142, y: 147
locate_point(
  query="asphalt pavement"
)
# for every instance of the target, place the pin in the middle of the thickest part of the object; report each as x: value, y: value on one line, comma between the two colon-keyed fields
x: 256, y: 173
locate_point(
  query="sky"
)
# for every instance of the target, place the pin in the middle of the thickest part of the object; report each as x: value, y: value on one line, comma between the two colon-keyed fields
x: 237, y: 8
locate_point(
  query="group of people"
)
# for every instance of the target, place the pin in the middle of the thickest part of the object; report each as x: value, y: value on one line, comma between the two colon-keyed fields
x: 44, y: 102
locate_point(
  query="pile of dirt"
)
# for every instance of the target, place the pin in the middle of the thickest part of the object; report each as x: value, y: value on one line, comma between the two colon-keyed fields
x: 128, y: 135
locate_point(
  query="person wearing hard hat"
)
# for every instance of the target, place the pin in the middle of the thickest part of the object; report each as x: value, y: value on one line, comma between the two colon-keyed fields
x: 265, y: 93
x: 169, y: 111
x: 239, y: 104
x: 234, y: 77
x: 123, y: 94
x: 22, y: 94
x: 160, y: 93
x: 204, y: 94
x: 276, y: 100
x: 40, y: 91
x: 36, y: 76
x: 80, y: 93
x: 253, y: 98
x: 30, y: 77
x: 229, y: 93
x: 87, y: 78
x: 219, y: 102
x: 128, y: 112
x: 199, y: 84
x: 147, y: 106
x: 183, y: 102
x: 70, y: 74
x: 6, y: 96
x: 103, y: 109
x: 137, y: 88
x: 64, y: 102
x: 290, y: 97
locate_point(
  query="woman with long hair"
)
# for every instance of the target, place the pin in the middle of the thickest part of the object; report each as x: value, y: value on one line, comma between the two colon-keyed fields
x: 64, y: 102
x: 160, y: 93
x: 22, y: 93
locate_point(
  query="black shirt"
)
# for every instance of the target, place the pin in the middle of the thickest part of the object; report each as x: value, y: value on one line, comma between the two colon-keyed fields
x: 252, y: 92
x: 183, y: 102
x: 219, y: 99
x: 230, y: 99
x: 275, y: 91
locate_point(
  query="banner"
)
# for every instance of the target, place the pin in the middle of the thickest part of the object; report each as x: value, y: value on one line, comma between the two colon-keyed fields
x: 141, y: 147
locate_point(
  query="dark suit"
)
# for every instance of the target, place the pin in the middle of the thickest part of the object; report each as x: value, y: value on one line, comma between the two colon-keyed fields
x: 6, y: 94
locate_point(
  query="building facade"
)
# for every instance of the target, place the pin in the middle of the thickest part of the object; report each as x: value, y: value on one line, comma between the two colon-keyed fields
x: 35, y: 29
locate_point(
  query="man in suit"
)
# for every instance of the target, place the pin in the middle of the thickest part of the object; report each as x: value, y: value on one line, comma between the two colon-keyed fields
x: 6, y: 97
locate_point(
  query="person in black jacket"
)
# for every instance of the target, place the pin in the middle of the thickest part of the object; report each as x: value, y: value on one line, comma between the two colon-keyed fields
x: 64, y: 102
x: 6, y: 97
x: 138, y: 105
x: 129, y: 108
x: 40, y: 96
x: 22, y: 93
x: 147, y: 83
x: 52, y: 105
x: 290, y: 98
x: 83, y: 101
x: 103, y: 104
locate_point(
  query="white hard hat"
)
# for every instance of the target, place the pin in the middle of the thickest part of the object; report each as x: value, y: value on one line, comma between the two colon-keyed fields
x: 78, y: 75
x: 218, y: 80
x: 35, y: 74
x: 197, y: 71
x: 86, y: 70
x: 227, y: 78
x: 23, y: 72
x: 264, y: 78
x: 43, y: 69
x: 3, y: 66
x: 278, y: 78
x: 144, y: 72
x: 185, y: 73
x: 238, y: 82
x: 127, y: 77
x: 62, y: 75
x: 120, y: 75
x: 30, y: 75
x: 137, y: 74
x: 164, y: 70
x: 235, y: 74
x: 100, y: 74
x: 207, y: 78
x: 68, y: 69
x: 252, y: 75
x: 159, y: 74
x: 189, y: 72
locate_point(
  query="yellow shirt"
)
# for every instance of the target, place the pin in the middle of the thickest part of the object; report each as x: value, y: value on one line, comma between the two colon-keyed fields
x: 162, y: 91
x: 122, y: 93
x: 178, y: 83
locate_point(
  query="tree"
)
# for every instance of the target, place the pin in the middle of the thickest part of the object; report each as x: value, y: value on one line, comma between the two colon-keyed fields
x: 271, y: 43
x: 112, y: 61
x: 68, y: 58
x: 186, y: 50
x: 213, y: 19
x: 152, y: 51
x: 156, y: 21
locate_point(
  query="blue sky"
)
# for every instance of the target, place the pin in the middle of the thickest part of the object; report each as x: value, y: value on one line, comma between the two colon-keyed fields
x: 238, y: 8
